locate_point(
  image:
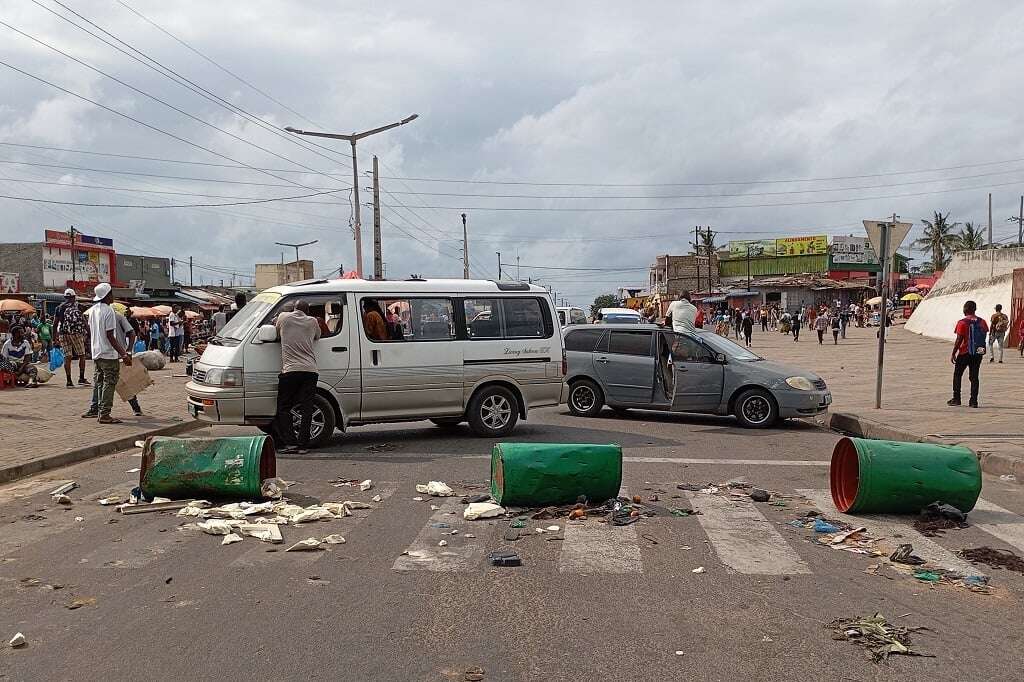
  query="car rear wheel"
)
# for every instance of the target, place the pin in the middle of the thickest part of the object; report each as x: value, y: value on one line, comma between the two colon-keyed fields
x: 321, y: 424
x: 756, y: 409
x: 585, y: 398
x: 493, y: 412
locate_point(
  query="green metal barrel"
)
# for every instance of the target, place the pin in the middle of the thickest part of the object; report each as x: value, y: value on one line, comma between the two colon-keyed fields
x: 181, y: 468
x: 892, y: 477
x: 541, y: 474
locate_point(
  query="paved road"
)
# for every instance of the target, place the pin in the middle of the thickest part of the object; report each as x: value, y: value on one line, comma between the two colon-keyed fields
x: 599, y: 603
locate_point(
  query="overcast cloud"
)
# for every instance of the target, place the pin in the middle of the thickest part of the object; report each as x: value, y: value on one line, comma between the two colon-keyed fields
x: 573, y: 92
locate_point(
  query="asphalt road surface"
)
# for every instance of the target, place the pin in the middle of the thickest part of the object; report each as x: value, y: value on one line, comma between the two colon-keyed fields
x: 589, y: 602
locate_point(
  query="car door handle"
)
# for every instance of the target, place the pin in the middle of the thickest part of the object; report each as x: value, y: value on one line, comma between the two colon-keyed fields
x: 603, y: 360
x: 376, y: 357
x: 339, y: 349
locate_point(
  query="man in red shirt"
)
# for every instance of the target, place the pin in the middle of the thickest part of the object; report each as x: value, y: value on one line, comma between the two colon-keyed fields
x: 968, y: 351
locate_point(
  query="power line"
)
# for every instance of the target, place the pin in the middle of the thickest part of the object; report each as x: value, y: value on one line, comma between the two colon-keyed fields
x: 233, y: 203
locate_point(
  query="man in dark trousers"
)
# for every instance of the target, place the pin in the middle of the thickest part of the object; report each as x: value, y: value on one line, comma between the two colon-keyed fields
x: 748, y: 328
x: 296, y: 385
x: 968, y: 351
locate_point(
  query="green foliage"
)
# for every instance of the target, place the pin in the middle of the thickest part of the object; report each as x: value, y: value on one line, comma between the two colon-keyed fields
x: 938, y: 240
x: 604, y: 301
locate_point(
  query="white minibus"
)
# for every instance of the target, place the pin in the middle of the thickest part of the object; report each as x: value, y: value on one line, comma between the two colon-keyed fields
x: 455, y: 351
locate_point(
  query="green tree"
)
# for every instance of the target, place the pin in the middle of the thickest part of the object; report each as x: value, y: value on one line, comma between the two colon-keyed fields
x: 970, y: 238
x: 938, y: 240
x: 604, y: 301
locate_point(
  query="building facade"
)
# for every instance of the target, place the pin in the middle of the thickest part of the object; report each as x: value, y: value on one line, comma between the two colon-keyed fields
x: 670, y: 275
x: 275, y: 274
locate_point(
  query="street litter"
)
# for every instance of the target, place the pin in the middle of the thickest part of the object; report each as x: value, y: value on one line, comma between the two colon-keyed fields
x: 154, y: 506
x: 821, y: 526
x: 473, y: 674
x: 699, y: 569
x: 1008, y: 477
x: 904, y: 554
x: 936, y: 518
x: 996, y: 558
x: 442, y: 543
x: 334, y: 539
x: 693, y: 487
x: 469, y: 535
x: 231, y: 538
x: 61, y: 498
x: 307, y: 545
x: 265, y: 532
x: 134, y: 471
x: 435, y: 489
x: 760, y: 495
x: 417, y: 499
x: 340, y: 482
x: 79, y: 602
x: 140, y: 443
x: 434, y: 507
x: 273, y: 488
x: 683, y: 511
x: 376, y: 498
x: 215, y: 527
x: 115, y: 499
x: 927, y: 576
x: 553, y: 529
x: 875, y: 634
x: 65, y: 488
x: 79, y: 518
x: 439, y: 525
x: 482, y: 510
x: 17, y: 640
x: 504, y: 559
x: 365, y: 485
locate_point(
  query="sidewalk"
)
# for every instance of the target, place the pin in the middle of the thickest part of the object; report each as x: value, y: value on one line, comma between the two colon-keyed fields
x: 917, y: 383
x: 42, y: 428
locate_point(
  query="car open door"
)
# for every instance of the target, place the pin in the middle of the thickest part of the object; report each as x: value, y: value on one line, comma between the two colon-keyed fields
x: 665, y: 374
x: 626, y: 364
x: 699, y: 376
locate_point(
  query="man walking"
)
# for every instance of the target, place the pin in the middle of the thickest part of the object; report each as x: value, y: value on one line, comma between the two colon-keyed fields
x: 176, y: 331
x: 797, y: 321
x: 71, y: 327
x: 219, y: 319
x: 764, y: 318
x: 296, y: 384
x: 968, y: 349
x: 126, y: 330
x: 107, y: 350
x: 820, y: 325
x: 748, y: 328
x: 844, y: 321
x: 837, y: 326
x: 997, y: 334
x: 682, y: 314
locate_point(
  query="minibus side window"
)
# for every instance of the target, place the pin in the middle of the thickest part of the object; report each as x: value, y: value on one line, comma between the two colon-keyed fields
x: 408, y: 319
x: 483, y: 318
x: 525, y: 318
x: 329, y: 312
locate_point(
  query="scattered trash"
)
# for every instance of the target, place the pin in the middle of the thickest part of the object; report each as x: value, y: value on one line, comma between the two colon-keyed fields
x: 904, y: 554
x: 469, y: 535
x: 231, y: 538
x: 473, y: 674
x: 334, y: 539
x: 482, y: 510
x: 381, y: 447
x: 340, y: 481
x: 140, y: 443
x: 693, y: 487
x: 927, y: 576
x: 875, y: 634
x: 699, y: 569
x: 115, y: 499
x: 365, y: 485
x: 65, y: 488
x: 976, y: 583
x: 760, y: 495
x: 273, y: 488
x: 996, y: 558
x: 1008, y: 477
x: 79, y: 518
x: 682, y: 511
x: 435, y: 489
x: 134, y: 471
x: 778, y: 503
x: 822, y: 526
x: 504, y: 559
x: 434, y: 507
x: 417, y: 499
x: 766, y: 638
x: 18, y: 640
x: 577, y: 515
x: 936, y: 518
x: 307, y: 545
x: 439, y: 525
x: 376, y: 498
x: 553, y: 529
x: 685, y: 548
x: 442, y: 543
x: 265, y: 532
x: 61, y: 498
x: 154, y: 506
x: 680, y: 653
x: 79, y: 602
x: 215, y: 527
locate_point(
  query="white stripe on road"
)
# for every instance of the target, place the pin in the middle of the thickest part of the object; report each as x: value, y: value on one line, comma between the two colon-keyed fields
x: 998, y: 522
x: 744, y: 539
x: 896, y: 528
x: 691, y: 460
x: 591, y: 547
x: 461, y: 554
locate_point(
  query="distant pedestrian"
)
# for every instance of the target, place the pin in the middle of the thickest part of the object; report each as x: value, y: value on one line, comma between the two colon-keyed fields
x: 837, y: 325
x: 797, y: 322
x: 764, y: 319
x: 220, y: 318
x: 968, y: 350
x: 820, y: 324
x: 176, y: 332
x: 155, y: 334
x: 997, y: 333
x: 15, y: 358
x: 106, y: 349
x: 1020, y: 336
x: 71, y: 329
x: 844, y: 321
x: 748, y: 329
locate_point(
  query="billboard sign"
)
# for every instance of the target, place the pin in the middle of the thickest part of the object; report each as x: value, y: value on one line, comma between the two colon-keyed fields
x: 853, y: 251
x: 10, y: 282
x: 89, y: 261
x: 802, y: 246
x: 759, y: 248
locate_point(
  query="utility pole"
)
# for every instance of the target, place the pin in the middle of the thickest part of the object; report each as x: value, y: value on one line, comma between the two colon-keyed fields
x: 352, y: 139
x: 884, y: 265
x: 519, y: 277
x: 190, y: 270
x: 1019, y: 219
x: 296, y: 247
x: 748, y: 267
x: 74, y: 260
x: 696, y: 250
x: 499, y: 265
x: 378, y: 257
x: 465, y: 249
x: 991, y: 246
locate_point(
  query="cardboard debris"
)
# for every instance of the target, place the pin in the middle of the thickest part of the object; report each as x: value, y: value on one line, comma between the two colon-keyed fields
x: 231, y: 539
x: 61, y: 498
x: 442, y: 543
x: 334, y: 539
x: 215, y: 527
x: 307, y: 545
x: 114, y: 499
x: 366, y: 485
x: 265, y: 532
x: 435, y: 489
x: 18, y: 640
x: 482, y: 510
x: 699, y: 569
x: 66, y: 488
x: 154, y: 506
x: 376, y: 498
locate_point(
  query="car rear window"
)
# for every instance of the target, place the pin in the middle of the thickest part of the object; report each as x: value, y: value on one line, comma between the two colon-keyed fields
x: 584, y: 340
x: 630, y: 343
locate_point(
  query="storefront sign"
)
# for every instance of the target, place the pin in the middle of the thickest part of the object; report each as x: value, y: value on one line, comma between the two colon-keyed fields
x: 853, y: 250
x: 802, y: 246
x: 758, y: 248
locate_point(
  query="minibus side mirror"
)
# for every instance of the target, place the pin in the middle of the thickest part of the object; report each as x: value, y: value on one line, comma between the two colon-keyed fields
x: 267, y: 333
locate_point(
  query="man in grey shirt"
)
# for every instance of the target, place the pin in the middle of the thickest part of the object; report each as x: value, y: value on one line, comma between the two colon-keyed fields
x: 296, y: 384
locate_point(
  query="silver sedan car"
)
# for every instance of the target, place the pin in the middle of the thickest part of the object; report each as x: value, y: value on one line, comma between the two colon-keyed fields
x: 652, y: 368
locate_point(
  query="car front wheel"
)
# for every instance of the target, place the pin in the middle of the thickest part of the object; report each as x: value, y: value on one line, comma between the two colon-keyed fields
x: 756, y: 409
x: 493, y: 412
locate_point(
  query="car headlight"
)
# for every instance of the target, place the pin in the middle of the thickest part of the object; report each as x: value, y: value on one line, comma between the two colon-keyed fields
x: 800, y: 383
x: 222, y: 376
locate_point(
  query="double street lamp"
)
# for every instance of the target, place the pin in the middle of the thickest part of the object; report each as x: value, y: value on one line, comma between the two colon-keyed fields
x: 352, y: 139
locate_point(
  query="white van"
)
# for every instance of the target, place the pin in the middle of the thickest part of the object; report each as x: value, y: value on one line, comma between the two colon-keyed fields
x: 457, y: 350
x: 570, y: 315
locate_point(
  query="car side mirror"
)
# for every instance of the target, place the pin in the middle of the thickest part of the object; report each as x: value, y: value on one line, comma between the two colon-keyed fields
x: 720, y: 358
x: 267, y: 333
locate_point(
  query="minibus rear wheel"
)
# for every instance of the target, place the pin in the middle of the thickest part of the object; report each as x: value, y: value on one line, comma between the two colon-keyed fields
x: 493, y: 412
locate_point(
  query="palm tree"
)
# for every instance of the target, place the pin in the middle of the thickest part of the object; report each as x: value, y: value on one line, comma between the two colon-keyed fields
x: 970, y: 238
x: 938, y: 240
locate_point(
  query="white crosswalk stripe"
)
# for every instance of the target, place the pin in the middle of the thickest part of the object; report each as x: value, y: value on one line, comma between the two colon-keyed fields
x: 743, y: 538
x: 591, y: 547
x: 998, y: 522
x: 886, y: 526
x: 461, y: 554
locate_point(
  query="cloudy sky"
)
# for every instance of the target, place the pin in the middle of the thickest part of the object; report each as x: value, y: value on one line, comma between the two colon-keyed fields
x: 760, y: 119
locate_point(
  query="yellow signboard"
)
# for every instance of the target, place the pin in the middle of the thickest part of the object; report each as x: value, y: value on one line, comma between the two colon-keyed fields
x: 802, y: 246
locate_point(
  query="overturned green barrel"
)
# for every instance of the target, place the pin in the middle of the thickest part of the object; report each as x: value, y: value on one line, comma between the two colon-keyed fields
x: 541, y: 474
x: 892, y: 477
x: 181, y: 468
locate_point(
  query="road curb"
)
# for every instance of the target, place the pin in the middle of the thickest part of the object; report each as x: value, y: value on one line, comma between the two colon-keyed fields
x: 11, y: 473
x: 855, y: 425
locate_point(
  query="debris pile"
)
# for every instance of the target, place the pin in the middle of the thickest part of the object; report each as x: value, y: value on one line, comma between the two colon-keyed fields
x: 996, y: 558
x: 937, y: 518
x: 877, y: 635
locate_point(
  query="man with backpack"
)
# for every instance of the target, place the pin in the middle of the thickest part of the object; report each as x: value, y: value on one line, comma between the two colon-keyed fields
x: 1000, y: 323
x: 968, y: 350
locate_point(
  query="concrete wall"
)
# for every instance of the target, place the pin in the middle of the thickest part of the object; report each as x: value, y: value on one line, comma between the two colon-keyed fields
x: 155, y: 271
x: 26, y: 260
x: 985, y: 277
x: 275, y: 274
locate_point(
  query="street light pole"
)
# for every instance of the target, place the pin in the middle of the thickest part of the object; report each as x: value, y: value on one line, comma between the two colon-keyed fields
x: 352, y: 139
x: 296, y: 247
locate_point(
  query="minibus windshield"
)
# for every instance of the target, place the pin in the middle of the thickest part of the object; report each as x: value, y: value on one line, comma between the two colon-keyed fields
x: 239, y: 326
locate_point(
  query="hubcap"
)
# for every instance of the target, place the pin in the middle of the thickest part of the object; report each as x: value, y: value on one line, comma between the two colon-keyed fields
x: 495, y: 411
x: 756, y: 409
x: 316, y: 424
x: 583, y: 398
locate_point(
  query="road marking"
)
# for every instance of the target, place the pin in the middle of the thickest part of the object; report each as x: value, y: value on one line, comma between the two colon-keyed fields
x: 998, y: 522
x: 592, y: 547
x: 461, y: 554
x: 691, y: 460
x: 744, y: 539
x: 895, y: 527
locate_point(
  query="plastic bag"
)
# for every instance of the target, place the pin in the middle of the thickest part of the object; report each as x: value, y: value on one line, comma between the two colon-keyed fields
x: 56, y: 359
x: 140, y: 347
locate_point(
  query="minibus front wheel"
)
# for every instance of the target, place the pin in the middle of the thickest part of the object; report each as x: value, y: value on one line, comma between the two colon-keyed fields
x: 493, y: 411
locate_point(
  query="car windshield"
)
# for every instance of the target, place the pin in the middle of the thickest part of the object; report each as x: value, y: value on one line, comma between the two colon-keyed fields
x: 732, y: 351
x: 239, y: 326
x: 620, y: 318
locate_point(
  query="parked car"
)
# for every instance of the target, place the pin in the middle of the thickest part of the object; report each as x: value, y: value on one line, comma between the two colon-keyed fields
x: 648, y: 367
x: 569, y: 315
x: 618, y: 316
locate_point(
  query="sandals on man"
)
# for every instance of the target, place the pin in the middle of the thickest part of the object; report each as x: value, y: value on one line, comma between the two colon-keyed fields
x: 109, y: 420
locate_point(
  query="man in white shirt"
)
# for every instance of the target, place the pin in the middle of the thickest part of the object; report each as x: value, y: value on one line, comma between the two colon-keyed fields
x: 107, y: 350
x: 682, y: 314
x: 176, y: 331
x: 219, y: 319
